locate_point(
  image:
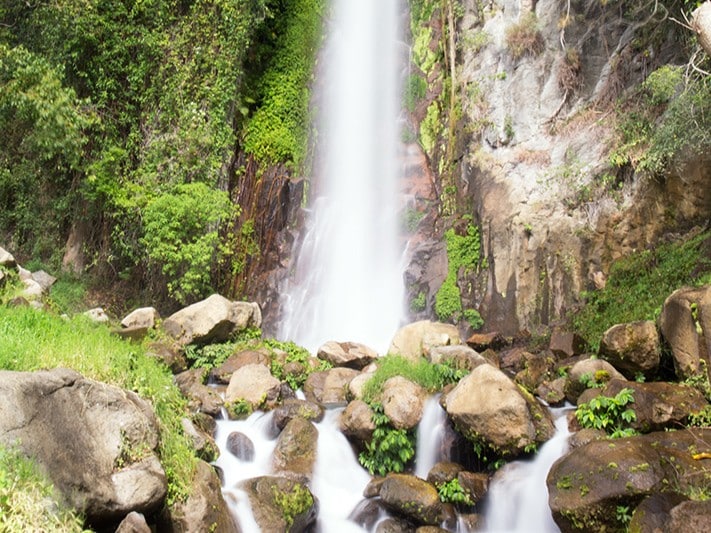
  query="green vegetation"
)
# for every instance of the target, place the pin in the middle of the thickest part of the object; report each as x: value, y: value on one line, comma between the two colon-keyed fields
x: 453, y: 492
x: 524, y: 37
x: 613, y: 415
x: 390, y: 449
x: 34, y: 340
x: 293, y: 503
x: 638, y: 285
x: 294, y: 354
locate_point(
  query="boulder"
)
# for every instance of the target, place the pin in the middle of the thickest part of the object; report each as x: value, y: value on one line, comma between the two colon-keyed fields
x: 403, y: 402
x: 144, y: 317
x: 357, y: 384
x: 632, y: 348
x: 133, y: 523
x: 552, y: 392
x: 537, y: 368
x: 459, y: 356
x: 484, y: 341
x: 97, y: 314
x: 254, y: 384
x: 416, y: 340
x: 204, y: 445
x: 6, y: 259
x: 330, y: 387
x: 96, y: 442
x: 597, y: 370
x: 204, y: 509
x: 293, y: 408
x: 356, y: 422
x: 690, y: 516
x: 223, y: 373
x: 281, y: 504
x: 413, y: 498
x: 201, y: 398
x: 44, y: 279
x: 241, y: 446
x: 348, y: 354
x: 295, y: 449
x: 566, y: 344
x: 32, y: 290
x: 212, y: 320
x: 685, y: 324
x: 169, y: 355
x: 475, y: 483
x: 587, y: 485
x: 652, y: 514
x: 489, y: 408
x: 443, y: 472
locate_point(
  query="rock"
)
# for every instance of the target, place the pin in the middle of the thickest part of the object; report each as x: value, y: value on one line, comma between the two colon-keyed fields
x: 6, y: 259
x: 587, y: 485
x: 487, y: 407
x: 413, y: 498
x: 658, y: 404
x: 484, y: 341
x: 97, y: 315
x: 241, y: 446
x: 23, y: 273
x: 253, y: 384
x: 356, y: 422
x: 416, y: 340
x: 293, y: 408
x: 136, y: 333
x: 204, y: 510
x: 632, y: 348
x: 296, y: 448
x: 598, y: 370
x: 200, y: 397
x: 44, y: 279
x: 537, y: 369
x: 685, y: 323
x: 459, y: 356
x: 144, y: 317
x: 393, y: 524
x: 475, y: 483
x: 32, y: 290
x: 355, y: 387
x: 552, y: 392
x: 690, y: 516
x: 652, y: 514
x: 566, y: 344
x: 133, y: 523
x: 348, y: 354
x: 513, y: 360
x: 212, y: 320
x: 96, y: 442
x: 403, y: 402
x: 269, y: 496
x: 330, y: 387
x: 368, y: 513
x: 169, y: 355
x: 204, y: 444
x: 223, y: 373
x: 443, y: 472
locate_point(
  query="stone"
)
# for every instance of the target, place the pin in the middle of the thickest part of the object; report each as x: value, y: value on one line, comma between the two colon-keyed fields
x: 32, y: 290
x: 537, y: 369
x: 595, y: 369
x: 268, y: 514
x: 170, y: 355
x: 403, y: 402
x: 96, y: 442
x: 652, y: 514
x: 144, y: 317
x: 330, y: 387
x: 484, y: 341
x: 475, y: 483
x: 136, y: 333
x: 204, y: 445
x: 416, y: 340
x: 356, y: 422
x: 690, y: 516
x: 133, y: 523
x: 348, y: 354
x: 6, y: 259
x: 254, y: 384
x: 241, y: 446
x: 295, y: 449
x: 552, y: 392
x: 44, y: 279
x: 97, y: 315
x: 293, y: 408
x: 566, y: 344
x: 212, y: 320
x: 413, y: 498
x: 632, y: 348
x: 356, y: 385
x: 459, y: 356
x: 224, y: 372
x: 200, y: 397
x: 443, y: 472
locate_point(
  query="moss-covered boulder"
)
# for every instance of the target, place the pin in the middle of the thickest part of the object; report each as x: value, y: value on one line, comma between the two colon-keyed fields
x: 413, y: 498
x: 632, y: 348
x: 296, y: 448
x: 281, y: 504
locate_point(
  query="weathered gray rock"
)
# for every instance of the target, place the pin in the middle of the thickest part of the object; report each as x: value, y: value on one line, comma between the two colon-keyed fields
x: 293, y: 408
x: 97, y: 315
x: 295, y: 449
x: 241, y: 446
x: 253, y: 384
x: 487, y: 407
x: 632, y: 348
x: 685, y: 323
x: 403, y: 402
x: 596, y: 369
x: 690, y: 516
x: 416, y: 340
x: 348, y: 354
x: 413, y: 498
x: 144, y: 317
x: 133, y: 523
x: 263, y: 493
x: 223, y: 373
x: 97, y: 442
x: 214, y: 319
x: 201, y: 398
x: 357, y: 384
x: 330, y: 387
x: 459, y: 356
x: 44, y: 279
x: 204, y: 510
x: 32, y: 290
x: 6, y: 259
x: 356, y: 422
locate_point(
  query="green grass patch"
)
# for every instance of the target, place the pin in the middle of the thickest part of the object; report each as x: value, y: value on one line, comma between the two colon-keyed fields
x: 68, y: 295
x: 34, y: 340
x: 638, y: 285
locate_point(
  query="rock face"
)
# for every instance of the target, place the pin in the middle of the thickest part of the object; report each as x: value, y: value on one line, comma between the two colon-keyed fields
x: 96, y: 442
x: 632, y: 348
x: 415, y: 340
x: 212, y: 320
x: 487, y: 407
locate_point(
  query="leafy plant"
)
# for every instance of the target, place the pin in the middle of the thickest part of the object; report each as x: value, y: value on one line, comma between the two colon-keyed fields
x: 390, y: 449
x: 613, y: 415
x: 293, y: 503
x: 453, y: 492
x: 294, y: 354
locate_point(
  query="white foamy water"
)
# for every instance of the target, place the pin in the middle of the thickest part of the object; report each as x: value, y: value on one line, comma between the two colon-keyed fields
x: 429, y: 437
x: 517, y: 501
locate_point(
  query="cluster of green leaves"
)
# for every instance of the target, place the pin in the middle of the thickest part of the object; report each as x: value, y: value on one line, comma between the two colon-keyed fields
x: 463, y: 257
x: 668, y: 117
x: 293, y: 503
x: 453, y: 492
x: 294, y: 354
x: 639, y: 283
x: 611, y: 414
x: 390, y: 449
x: 598, y: 380
x: 25, y: 494
x: 34, y: 340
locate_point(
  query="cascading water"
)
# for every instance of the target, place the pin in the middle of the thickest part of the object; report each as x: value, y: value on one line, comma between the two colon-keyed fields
x: 348, y: 278
x: 429, y: 437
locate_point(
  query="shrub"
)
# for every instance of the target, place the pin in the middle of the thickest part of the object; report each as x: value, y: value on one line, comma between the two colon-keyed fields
x: 613, y: 415
x: 390, y: 449
x: 453, y: 492
x: 524, y: 38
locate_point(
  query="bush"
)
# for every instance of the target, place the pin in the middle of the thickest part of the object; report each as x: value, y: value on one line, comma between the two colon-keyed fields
x: 390, y: 449
x: 613, y: 415
x: 524, y: 38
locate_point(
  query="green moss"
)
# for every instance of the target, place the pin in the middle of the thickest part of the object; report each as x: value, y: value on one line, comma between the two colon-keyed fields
x: 293, y: 503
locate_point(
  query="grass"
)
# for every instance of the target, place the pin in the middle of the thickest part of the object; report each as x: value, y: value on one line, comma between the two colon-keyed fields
x: 34, y: 340
x: 638, y: 285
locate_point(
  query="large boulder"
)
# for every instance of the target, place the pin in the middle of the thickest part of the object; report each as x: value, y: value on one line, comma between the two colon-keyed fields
x: 212, y: 320
x: 582, y: 373
x: 685, y: 323
x: 356, y: 422
x: 330, y: 387
x: 413, y: 498
x: 587, y: 485
x: 293, y: 408
x: 223, y: 373
x: 201, y: 398
x: 204, y: 510
x: 490, y: 409
x: 565, y: 343
x: 97, y: 442
x: 416, y: 340
x: 295, y: 449
x: 349, y: 354
x: 403, y: 402
x: 632, y: 348
x: 281, y: 504
x: 253, y: 384
x: 143, y: 317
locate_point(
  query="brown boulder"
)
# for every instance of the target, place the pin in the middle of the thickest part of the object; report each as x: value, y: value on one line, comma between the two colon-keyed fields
x: 413, y: 498
x: 296, y: 448
x: 632, y: 348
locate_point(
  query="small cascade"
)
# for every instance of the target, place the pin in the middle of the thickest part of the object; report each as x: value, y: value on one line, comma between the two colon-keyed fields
x: 429, y: 437
x: 517, y: 501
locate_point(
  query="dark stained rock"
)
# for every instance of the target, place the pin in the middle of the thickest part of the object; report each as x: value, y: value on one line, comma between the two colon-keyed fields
x: 269, y: 495
x: 293, y: 408
x: 566, y: 344
x: 201, y: 398
x: 482, y: 341
x: 632, y: 348
x: 241, y: 446
x: 413, y: 498
x: 296, y: 448
x: 652, y: 514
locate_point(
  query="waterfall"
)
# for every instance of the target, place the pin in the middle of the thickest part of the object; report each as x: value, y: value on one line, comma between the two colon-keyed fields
x: 347, y: 283
x: 517, y: 501
x: 429, y: 437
